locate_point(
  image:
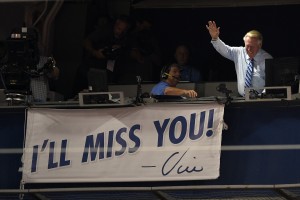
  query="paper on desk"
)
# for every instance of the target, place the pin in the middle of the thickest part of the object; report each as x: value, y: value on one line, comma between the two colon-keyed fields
x: 110, y: 65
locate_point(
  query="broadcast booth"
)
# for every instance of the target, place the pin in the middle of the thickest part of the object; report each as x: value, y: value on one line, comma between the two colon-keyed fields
x: 174, y: 148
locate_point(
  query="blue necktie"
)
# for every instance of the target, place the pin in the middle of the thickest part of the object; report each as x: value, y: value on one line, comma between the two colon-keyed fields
x: 249, y: 74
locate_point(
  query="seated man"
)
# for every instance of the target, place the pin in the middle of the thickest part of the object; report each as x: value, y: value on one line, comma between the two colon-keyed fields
x: 188, y: 72
x: 170, y: 76
x: 40, y: 85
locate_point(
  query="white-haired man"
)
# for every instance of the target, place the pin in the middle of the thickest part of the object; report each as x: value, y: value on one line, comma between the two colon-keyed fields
x: 242, y: 56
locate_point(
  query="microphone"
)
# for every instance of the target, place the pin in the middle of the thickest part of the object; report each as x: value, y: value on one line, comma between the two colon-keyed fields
x: 177, y: 78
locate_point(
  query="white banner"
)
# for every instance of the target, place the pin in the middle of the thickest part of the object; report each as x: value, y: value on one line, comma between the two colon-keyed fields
x: 158, y: 142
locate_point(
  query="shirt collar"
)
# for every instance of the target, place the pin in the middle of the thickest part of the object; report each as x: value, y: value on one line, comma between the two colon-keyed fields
x: 255, y: 57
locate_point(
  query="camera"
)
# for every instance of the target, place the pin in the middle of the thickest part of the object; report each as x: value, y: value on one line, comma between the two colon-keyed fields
x: 111, y: 53
x: 19, y: 59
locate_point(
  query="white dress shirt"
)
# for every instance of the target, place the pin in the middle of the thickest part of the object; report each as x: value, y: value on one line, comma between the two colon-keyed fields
x: 240, y: 58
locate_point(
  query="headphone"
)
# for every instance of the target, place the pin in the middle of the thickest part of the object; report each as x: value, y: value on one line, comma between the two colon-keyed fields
x: 164, y: 73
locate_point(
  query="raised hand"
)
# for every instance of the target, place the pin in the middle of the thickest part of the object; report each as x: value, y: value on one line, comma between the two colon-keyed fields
x: 214, y: 31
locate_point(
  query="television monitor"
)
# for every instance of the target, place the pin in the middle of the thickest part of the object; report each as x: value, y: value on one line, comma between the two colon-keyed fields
x: 97, y: 79
x: 282, y: 71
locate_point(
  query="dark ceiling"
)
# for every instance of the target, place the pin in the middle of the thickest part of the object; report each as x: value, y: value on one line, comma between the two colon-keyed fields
x: 207, y: 3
